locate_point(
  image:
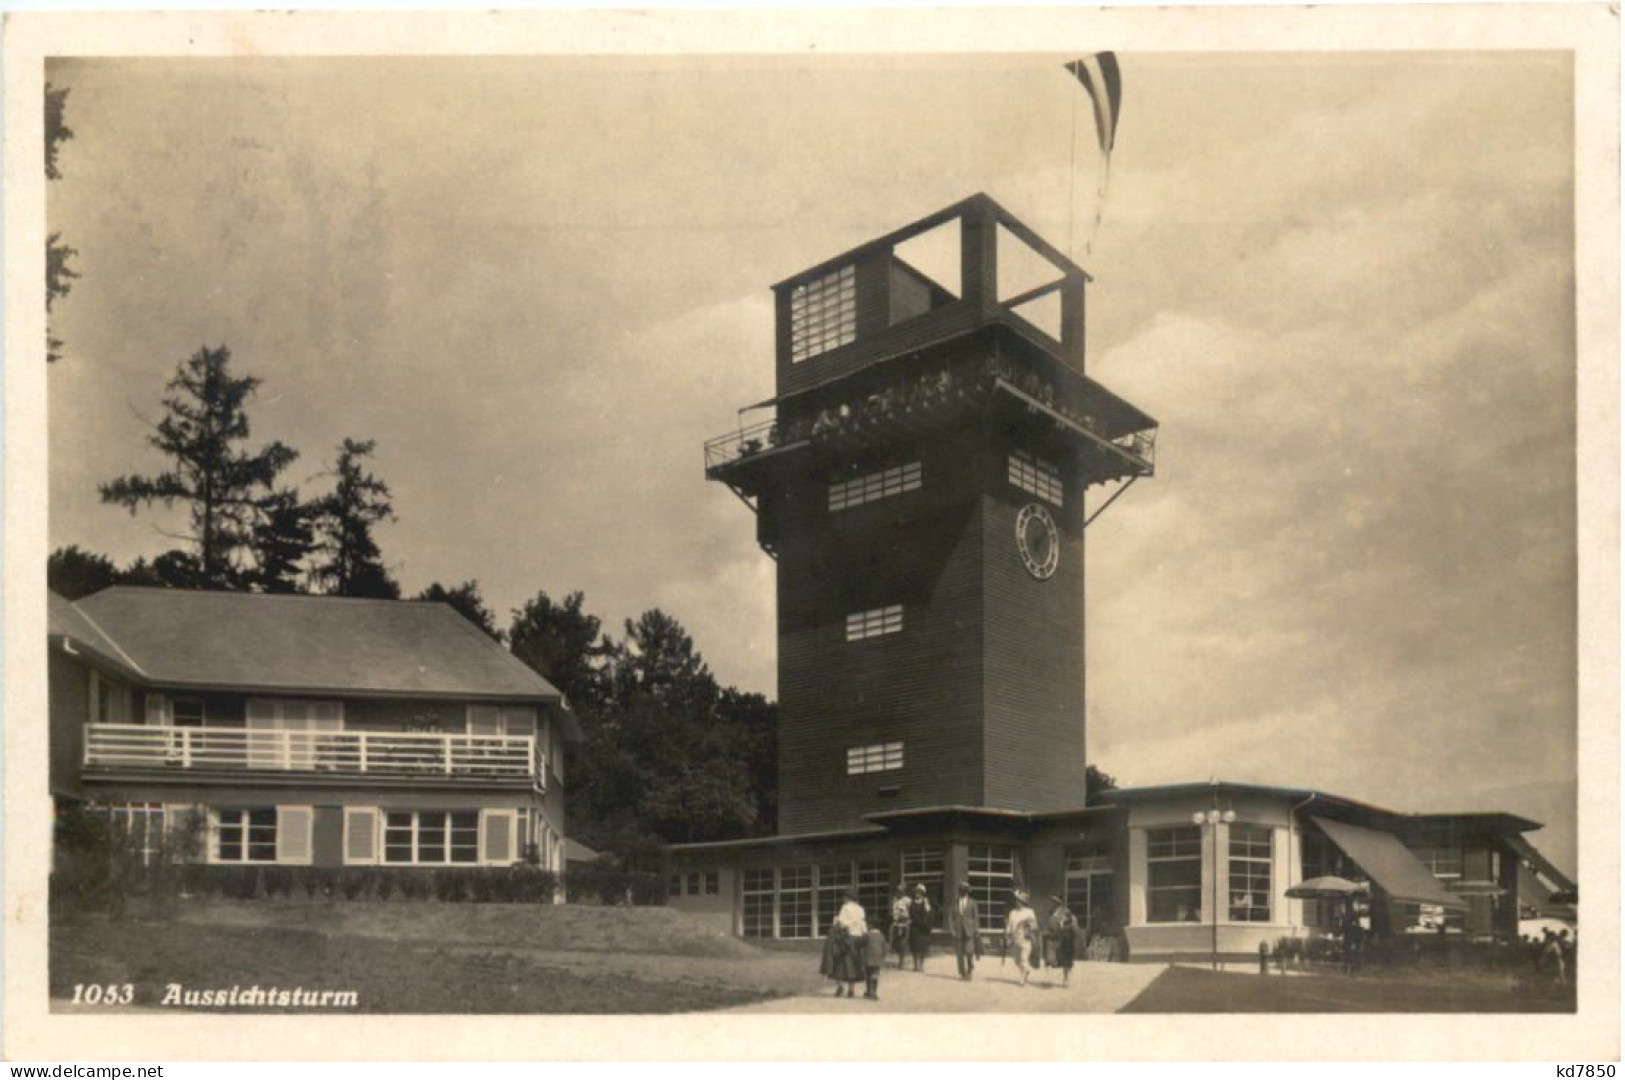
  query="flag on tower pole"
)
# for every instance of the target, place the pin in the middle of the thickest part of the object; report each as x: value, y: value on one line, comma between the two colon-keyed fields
x: 1100, y: 77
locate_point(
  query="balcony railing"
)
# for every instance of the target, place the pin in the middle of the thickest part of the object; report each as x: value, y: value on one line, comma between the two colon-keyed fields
x: 375, y: 753
x: 936, y: 395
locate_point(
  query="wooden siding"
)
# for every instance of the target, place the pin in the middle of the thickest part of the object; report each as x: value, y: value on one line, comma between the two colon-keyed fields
x: 921, y: 686
x: 1033, y: 655
x: 983, y: 685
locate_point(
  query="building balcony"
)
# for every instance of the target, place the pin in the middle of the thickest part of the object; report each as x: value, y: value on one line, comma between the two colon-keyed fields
x: 934, y: 393
x: 383, y: 755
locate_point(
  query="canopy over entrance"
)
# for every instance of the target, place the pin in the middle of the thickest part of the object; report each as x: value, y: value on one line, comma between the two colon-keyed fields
x: 1394, y: 869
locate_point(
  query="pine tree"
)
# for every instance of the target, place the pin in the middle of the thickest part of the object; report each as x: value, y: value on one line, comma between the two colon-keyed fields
x: 350, y: 563
x: 283, y: 538
x: 58, y: 274
x: 225, y: 487
x: 469, y: 603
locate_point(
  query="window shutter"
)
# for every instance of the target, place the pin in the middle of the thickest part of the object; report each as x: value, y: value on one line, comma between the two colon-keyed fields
x: 360, y: 835
x: 293, y: 825
x: 519, y: 720
x: 484, y: 720
x: 498, y: 834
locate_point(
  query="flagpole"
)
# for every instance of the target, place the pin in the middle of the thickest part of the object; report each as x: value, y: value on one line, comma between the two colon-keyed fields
x: 1072, y: 189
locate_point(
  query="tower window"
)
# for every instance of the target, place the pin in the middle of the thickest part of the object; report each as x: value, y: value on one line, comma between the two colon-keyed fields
x: 874, y: 623
x: 845, y: 494
x: 880, y: 757
x: 1035, y: 475
x: 1249, y: 873
x: 823, y: 314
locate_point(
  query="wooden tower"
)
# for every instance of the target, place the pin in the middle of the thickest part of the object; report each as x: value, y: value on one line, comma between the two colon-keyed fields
x: 921, y: 484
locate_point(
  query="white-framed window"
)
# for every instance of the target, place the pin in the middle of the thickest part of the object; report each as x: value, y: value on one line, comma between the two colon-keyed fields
x: 796, y: 902
x: 874, y: 888
x: 875, y: 622
x: 991, y: 869
x: 1444, y: 863
x: 1173, y: 890
x: 1037, y: 477
x: 432, y: 837
x: 757, y: 893
x: 872, y: 487
x: 833, y: 880
x: 306, y: 724
x: 1250, y: 880
x: 142, y: 824
x: 823, y: 313
x: 877, y: 757
x: 1089, y: 886
x: 713, y: 882
x: 518, y: 720
x: 110, y: 700
x: 245, y: 834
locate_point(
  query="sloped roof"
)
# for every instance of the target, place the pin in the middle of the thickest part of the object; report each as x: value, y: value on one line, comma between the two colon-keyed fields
x: 308, y: 644
x: 65, y: 622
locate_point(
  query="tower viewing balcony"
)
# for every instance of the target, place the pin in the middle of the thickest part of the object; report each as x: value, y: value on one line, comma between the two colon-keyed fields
x: 965, y: 312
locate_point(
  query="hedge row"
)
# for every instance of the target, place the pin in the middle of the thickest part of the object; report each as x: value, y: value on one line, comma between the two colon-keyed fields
x: 611, y: 885
x: 518, y: 884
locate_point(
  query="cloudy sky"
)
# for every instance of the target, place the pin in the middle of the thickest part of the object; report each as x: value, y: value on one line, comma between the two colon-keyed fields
x: 1343, y: 284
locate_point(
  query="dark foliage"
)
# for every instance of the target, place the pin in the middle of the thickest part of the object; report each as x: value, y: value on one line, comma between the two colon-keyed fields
x: 59, y: 276
x: 348, y: 561
x: 283, y: 538
x: 468, y: 602
x: 1095, y: 784
x: 225, y: 487
x: 73, y: 572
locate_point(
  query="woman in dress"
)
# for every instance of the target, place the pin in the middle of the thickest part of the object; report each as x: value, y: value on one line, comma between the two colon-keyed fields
x: 1064, y: 926
x: 919, y: 927
x: 1021, y: 932
x: 844, y: 947
x: 899, y: 924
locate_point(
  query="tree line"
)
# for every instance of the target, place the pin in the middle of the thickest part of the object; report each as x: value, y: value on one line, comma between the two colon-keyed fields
x: 670, y: 754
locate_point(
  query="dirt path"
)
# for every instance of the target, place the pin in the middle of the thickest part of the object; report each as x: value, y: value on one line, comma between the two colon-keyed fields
x: 1095, y: 988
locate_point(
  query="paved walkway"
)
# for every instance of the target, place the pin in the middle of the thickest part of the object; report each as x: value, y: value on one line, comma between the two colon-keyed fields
x: 1095, y: 988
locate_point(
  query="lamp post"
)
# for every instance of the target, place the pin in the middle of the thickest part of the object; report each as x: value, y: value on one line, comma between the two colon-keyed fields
x: 1207, y: 818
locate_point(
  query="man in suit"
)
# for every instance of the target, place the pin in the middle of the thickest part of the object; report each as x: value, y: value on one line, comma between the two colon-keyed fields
x: 964, y: 924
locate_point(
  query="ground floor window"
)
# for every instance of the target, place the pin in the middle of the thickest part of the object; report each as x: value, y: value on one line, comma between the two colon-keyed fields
x: 991, y: 869
x: 142, y: 826
x: 1089, y: 887
x: 874, y: 890
x: 833, y: 880
x: 431, y: 837
x: 925, y: 866
x: 1250, y: 882
x: 245, y: 835
x: 796, y: 902
x: 1173, y: 890
x: 757, y: 889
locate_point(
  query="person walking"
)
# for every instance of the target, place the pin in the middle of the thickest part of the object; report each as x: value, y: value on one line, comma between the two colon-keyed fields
x: 1021, y: 932
x: 844, y: 945
x: 1064, y: 926
x: 919, y: 927
x: 900, y: 912
x: 964, y: 925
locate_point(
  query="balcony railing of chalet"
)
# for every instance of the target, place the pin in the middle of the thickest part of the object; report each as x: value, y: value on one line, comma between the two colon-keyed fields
x: 933, y: 396
x: 419, y: 754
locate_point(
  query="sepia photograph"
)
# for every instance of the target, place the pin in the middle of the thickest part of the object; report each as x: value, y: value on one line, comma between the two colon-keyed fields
x: 1043, y: 530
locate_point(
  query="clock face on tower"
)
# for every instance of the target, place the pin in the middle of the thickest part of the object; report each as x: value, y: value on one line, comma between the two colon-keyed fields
x: 1038, y: 541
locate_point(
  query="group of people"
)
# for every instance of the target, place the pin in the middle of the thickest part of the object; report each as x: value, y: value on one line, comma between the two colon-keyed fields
x: 855, y: 951
x: 1552, y: 955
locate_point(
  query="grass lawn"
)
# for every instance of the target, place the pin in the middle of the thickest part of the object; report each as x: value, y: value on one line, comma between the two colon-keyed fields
x: 1430, y: 990
x: 427, y: 957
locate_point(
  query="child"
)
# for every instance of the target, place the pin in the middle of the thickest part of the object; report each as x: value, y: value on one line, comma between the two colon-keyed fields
x: 874, y: 958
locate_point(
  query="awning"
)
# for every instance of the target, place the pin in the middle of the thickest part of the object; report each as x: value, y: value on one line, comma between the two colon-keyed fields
x: 1531, y: 856
x: 1394, y: 869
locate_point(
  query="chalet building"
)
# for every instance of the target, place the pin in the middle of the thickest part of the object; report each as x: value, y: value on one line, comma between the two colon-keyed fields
x: 306, y: 730
x: 920, y: 484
